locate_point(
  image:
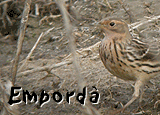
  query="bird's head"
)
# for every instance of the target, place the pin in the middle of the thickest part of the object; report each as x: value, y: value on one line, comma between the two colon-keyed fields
x: 112, y: 27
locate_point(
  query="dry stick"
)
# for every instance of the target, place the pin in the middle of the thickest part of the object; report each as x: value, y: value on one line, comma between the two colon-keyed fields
x: 30, y: 53
x: 44, y: 68
x: 34, y: 47
x: 156, y: 104
x: 89, y: 109
x: 47, y: 17
x: 9, y: 20
x: 23, y: 25
x: 4, y: 2
x: 5, y: 88
x: 140, y: 23
x: 131, y: 16
x: 4, y: 15
x: 69, y: 28
x: 37, y: 9
x: 99, y: 9
x: 108, y: 4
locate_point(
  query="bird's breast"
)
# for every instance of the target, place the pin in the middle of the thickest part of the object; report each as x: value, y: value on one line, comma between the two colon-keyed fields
x: 114, y: 60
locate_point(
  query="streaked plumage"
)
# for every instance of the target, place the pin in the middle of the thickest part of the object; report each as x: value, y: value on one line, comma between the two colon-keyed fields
x: 126, y: 57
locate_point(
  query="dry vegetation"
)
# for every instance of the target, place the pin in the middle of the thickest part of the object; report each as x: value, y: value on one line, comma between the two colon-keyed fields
x: 52, y: 45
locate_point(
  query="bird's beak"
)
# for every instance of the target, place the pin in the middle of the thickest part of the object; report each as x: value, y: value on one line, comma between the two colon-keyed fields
x: 100, y: 25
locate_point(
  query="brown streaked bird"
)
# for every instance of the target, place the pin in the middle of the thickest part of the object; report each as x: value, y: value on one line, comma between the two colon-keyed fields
x: 128, y: 58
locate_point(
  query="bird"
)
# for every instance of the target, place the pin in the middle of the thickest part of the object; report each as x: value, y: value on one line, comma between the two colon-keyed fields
x: 127, y: 57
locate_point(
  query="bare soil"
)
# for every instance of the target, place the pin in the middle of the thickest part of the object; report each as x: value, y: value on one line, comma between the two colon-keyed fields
x: 54, y: 47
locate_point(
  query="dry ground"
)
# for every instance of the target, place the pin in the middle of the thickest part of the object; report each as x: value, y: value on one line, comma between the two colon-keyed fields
x: 53, y: 48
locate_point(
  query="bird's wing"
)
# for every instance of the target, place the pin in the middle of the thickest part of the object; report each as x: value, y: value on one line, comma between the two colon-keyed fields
x: 144, y: 51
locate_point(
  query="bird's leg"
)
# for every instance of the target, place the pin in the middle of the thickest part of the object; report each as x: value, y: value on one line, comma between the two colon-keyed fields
x: 137, y: 87
x: 141, y: 97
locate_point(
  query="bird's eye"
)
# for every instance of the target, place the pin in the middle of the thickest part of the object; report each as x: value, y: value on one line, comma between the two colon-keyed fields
x: 112, y: 24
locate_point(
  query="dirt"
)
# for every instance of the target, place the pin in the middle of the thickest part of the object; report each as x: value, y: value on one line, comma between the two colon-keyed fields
x: 53, y: 48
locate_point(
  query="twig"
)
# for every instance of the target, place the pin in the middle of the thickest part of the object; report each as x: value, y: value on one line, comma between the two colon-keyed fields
x: 149, y: 11
x: 103, y: 4
x: 37, y: 9
x: 99, y: 9
x: 142, y: 22
x: 71, y: 16
x: 24, y: 21
x: 34, y: 47
x: 30, y: 53
x: 9, y: 20
x: 131, y: 16
x: 5, y: 88
x: 88, y: 108
x: 4, y: 15
x: 47, y: 17
x: 156, y: 104
x: 108, y: 4
x: 69, y: 28
x: 49, y: 4
x: 4, y: 2
x: 86, y: 51
x: 44, y: 68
